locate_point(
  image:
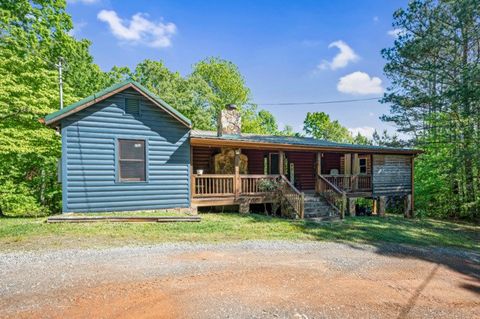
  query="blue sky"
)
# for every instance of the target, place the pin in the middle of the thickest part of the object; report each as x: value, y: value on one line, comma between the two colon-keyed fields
x: 288, y: 51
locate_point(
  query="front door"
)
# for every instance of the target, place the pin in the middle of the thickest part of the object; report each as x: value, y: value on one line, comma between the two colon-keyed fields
x: 273, y: 164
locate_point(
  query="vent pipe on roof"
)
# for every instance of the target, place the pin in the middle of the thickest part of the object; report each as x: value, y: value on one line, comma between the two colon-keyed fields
x: 229, y: 121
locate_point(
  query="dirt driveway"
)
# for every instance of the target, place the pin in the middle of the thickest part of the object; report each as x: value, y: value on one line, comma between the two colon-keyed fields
x: 242, y: 280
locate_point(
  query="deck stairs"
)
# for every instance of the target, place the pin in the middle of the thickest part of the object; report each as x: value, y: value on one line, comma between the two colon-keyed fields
x: 318, y: 209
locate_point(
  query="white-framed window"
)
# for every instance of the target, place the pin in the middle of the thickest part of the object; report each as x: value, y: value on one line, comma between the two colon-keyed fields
x: 131, y: 160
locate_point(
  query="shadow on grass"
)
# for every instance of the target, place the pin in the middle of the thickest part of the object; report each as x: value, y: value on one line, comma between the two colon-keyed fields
x: 428, y: 240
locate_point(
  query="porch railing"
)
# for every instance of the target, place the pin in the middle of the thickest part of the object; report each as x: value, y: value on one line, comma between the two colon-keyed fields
x: 212, y: 185
x: 336, y: 197
x: 350, y: 183
x: 250, y: 184
x: 218, y: 185
x: 294, y: 197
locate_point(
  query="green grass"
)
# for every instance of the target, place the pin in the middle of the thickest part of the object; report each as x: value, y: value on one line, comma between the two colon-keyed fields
x: 35, y: 233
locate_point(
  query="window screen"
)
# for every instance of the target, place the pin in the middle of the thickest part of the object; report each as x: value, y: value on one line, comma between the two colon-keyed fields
x: 131, y: 160
x: 132, y: 106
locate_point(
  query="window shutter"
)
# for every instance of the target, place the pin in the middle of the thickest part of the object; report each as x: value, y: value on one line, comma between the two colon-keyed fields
x: 132, y: 106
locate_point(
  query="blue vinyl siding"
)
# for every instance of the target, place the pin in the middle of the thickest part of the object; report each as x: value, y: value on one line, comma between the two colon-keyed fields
x: 89, y: 158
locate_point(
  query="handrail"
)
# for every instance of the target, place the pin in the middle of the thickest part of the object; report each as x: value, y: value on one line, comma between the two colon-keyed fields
x: 336, y: 197
x: 291, y: 185
x: 333, y: 186
x: 351, y: 183
x: 294, y: 197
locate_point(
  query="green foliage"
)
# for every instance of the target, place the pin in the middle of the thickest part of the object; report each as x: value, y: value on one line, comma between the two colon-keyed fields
x: 319, y: 125
x: 434, y: 68
x: 387, y: 140
x: 35, y: 36
x: 189, y: 95
x: 32, y: 34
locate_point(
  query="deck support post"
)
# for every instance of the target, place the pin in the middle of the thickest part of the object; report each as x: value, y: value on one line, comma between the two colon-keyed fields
x: 237, y: 181
x: 244, y: 207
x: 408, y: 207
x: 351, y: 206
x: 382, y: 202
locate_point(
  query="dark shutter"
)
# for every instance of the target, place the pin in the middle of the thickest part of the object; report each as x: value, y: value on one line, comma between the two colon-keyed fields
x: 132, y: 106
x: 131, y: 160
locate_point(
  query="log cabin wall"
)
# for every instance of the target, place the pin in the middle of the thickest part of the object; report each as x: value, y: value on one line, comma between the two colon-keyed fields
x: 391, y: 175
x: 255, y: 160
x: 331, y: 161
x: 304, y: 163
x: 202, y: 159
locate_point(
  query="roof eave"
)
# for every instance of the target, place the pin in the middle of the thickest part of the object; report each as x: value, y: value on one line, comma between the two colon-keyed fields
x: 204, y: 141
x: 53, y: 121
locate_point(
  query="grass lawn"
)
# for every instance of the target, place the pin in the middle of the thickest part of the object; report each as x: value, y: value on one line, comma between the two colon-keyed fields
x: 35, y: 233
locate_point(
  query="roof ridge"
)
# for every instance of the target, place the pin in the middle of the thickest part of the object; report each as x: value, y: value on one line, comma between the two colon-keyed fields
x: 57, y: 115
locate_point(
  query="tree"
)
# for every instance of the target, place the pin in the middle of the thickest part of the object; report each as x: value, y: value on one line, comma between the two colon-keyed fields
x: 361, y: 140
x: 387, y: 140
x: 190, y: 95
x: 319, y: 125
x: 434, y: 68
x: 34, y: 37
x: 228, y: 86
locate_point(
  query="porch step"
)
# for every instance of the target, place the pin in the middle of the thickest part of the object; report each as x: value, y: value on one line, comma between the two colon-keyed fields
x: 323, y: 219
x: 316, y: 207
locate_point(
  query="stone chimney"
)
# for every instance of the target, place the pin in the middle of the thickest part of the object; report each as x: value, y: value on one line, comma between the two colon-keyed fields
x: 229, y: 121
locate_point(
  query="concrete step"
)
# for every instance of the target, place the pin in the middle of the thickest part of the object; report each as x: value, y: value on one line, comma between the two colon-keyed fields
x: 323, y: 219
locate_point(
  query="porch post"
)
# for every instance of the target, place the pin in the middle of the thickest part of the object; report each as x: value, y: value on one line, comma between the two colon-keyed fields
x: 237, y: 181
x: 347, y: 172
x: 355, y: 171
x: 318, y: 171
x: 412, y: 199
x: 281, y: 155
x: 192, y: 175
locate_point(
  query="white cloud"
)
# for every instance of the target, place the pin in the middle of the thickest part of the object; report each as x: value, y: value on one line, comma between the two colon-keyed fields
x: 139, y: 30
x: 375, y: 19
x: 359, y: 83
x: 77, y: 28
x: 364, y: 130
x: 342, y: 59
x: 395, y: 33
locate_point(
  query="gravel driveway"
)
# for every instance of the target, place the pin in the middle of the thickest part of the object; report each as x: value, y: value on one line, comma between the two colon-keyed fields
x: 255, y: 279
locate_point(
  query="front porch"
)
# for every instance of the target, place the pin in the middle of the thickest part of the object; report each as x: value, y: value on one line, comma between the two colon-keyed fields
x: 334, y: 176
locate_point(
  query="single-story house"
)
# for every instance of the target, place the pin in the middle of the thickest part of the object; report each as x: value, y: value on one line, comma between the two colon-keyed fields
x: 125, y: 149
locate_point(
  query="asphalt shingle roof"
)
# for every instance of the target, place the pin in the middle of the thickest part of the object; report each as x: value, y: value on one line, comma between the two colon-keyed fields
x: 296, y: 141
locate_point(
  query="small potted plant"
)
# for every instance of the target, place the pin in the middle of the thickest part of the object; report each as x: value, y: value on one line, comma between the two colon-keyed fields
x: 199, y: 171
